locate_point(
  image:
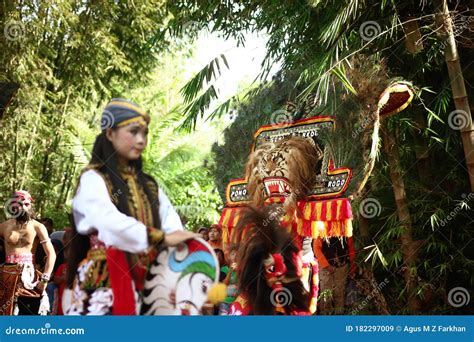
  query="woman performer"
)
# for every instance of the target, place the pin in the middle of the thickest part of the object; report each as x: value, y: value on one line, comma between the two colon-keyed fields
x: 21, y: 286
x: 122, y: 215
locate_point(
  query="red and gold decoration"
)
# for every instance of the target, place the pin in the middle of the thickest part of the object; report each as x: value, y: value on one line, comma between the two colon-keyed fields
x: 269, y: 268
x: 320, y: 212
x: 324, y: 218
x: 295, y: 178
x: 395, y: 98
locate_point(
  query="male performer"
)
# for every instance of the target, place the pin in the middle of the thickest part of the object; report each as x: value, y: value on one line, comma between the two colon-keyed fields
x: 21, y: 286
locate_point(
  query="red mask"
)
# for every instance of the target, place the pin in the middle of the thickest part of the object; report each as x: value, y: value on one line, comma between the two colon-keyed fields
x: 275, y: 270
x: 23, y: 197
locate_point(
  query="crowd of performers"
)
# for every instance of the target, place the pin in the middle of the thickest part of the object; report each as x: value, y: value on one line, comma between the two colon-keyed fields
x: 121, y: 218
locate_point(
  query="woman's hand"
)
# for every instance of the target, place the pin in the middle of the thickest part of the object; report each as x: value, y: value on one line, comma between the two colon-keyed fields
x: 175, y: 238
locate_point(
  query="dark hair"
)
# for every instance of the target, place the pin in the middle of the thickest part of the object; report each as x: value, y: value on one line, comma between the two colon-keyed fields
x: 103, y: 153
x: 105, y: 156
x: 47, y: 220
x: 59, y: 249
x: 259, y: 236
x: 78, y: 247
x: 215, y: 227
x: 219, y: 251
x: 23, y: 216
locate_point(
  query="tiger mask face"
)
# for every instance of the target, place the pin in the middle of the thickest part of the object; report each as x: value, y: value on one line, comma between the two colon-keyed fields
x: 285, y: 168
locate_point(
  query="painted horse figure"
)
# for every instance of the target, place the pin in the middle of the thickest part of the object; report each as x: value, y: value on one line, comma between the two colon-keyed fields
x: 180, y: 278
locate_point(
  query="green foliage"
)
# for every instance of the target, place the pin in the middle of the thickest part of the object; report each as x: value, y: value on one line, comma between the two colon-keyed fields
x: 231, y: 155
x: 318, y: 40
x: 70, y: 59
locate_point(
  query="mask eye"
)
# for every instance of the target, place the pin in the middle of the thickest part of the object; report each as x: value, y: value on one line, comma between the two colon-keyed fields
x: 271, y: 269
x: 204, y: 288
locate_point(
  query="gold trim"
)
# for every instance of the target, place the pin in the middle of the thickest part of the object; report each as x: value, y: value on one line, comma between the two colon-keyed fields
x: 129, y: 106
x: 138, y: 119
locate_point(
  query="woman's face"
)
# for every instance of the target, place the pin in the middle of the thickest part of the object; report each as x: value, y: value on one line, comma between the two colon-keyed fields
x: 214, y: 234
x: 129, y: 141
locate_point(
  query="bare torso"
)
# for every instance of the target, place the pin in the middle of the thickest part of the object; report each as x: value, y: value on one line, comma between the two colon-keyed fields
x: 19, y: 239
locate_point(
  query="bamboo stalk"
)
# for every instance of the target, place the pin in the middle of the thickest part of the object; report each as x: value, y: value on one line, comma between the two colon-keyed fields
x: 413, y: 41
x: 29, y: 154
x: 408, y: 247
x: 48, y: 163
x: 458, y: 88
x: 15, y: 157
x: 413, y: 44
x: 367, y: 273
x: 69, y: 185
x: 63, y: 186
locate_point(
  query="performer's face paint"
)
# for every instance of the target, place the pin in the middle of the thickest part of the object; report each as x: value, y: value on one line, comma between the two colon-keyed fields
x: 275, y: 270
x: 129, y: 141
x: 22, y: 206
